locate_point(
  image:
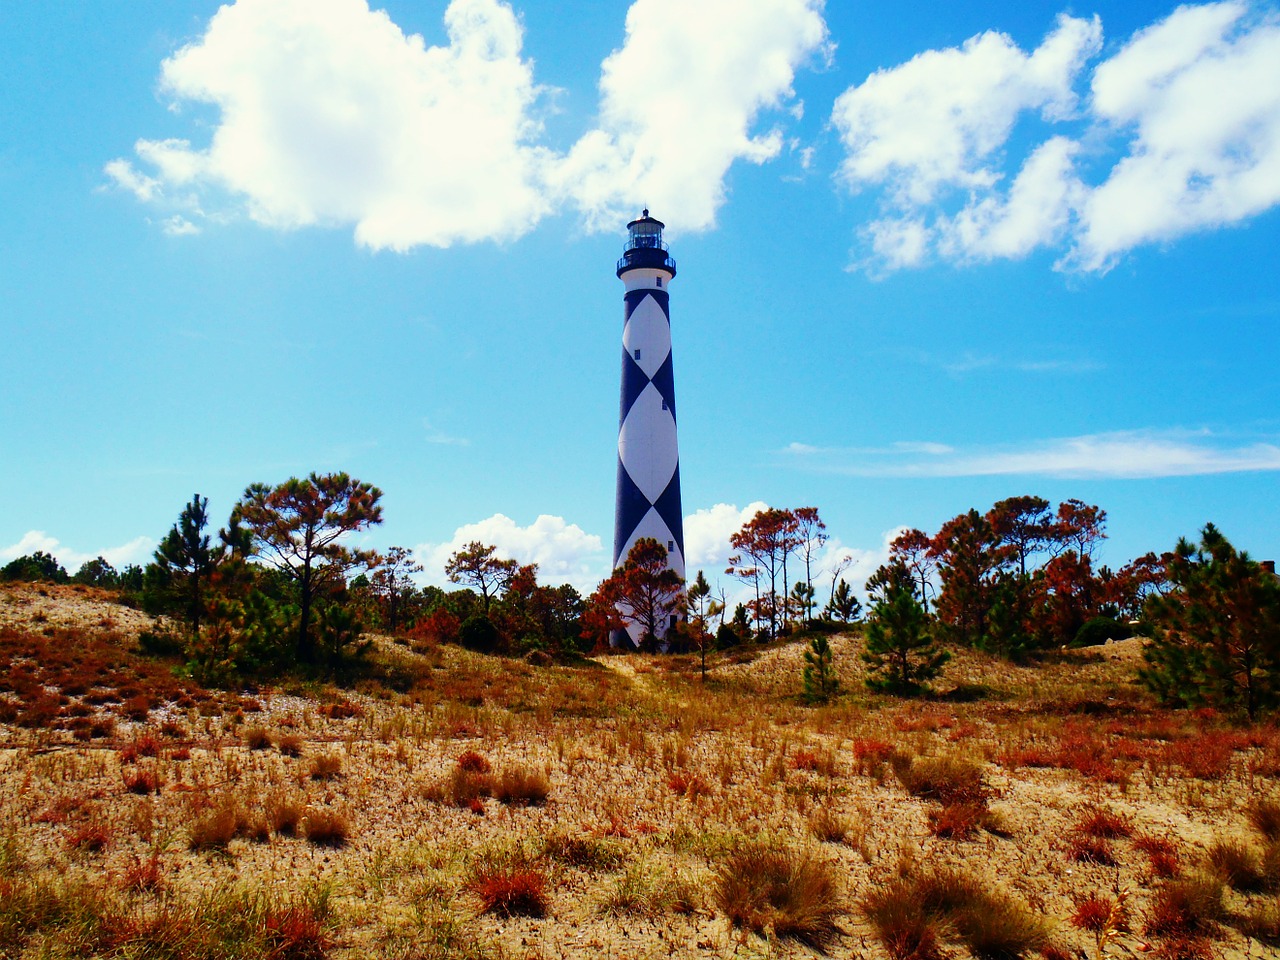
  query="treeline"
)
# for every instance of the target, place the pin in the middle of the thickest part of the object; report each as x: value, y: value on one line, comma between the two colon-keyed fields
x: 1021, y: 578
x: 280, y: 588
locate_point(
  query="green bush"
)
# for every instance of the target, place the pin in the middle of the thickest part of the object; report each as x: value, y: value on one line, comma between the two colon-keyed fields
x: 1099, y: 630
x: 479, y: 634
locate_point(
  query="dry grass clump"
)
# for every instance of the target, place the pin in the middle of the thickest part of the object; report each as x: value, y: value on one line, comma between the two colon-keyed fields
x: 870, y: 754
x: 326, y: 828
x: 1187, y: 907
x: 284, y: 814
x: 946, y: 780
x: 1264, y: 816
x: 779, y: 890
x: 1104, y: 824
x: 584, y: 852
x: 1162, y: 855
x: 1104, y: 917
x: 830, y: 826
x: 912, y: 912
x: 326, y: 766
x: 89, y: 838
x: 645, y: 890
x: 465, y: 786
x: 67, y: 918
x: 227, y: 819
x: 290, y: 745
x: 144, y: 875
x: 473, y: 762
x: 1241, y: 866
x: 141, y: 780
x: 1262, y: 921
x: 257, y: 738
x: 512, y: 888
x: 521, y: 785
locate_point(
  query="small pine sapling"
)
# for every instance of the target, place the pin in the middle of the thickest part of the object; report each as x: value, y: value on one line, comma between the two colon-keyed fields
x: 900, y: 652
x: 820, y: 681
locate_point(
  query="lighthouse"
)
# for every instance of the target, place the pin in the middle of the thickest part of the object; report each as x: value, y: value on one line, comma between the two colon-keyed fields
x: 648, y: 497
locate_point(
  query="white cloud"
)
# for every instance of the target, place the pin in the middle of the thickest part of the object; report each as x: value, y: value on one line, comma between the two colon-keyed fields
x: 1138, y: 454
x: 1036, y: 212
x: 707, y: 532
x: 1201, y: 93
x: 563, y: 551
x: 138, y: 550
x: 179, y: 226
x: 934, y: 123
x: 1191, y: 103
x: 679, y: 102
x: 330, y: 114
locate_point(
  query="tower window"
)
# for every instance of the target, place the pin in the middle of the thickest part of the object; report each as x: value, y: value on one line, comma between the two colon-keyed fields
x: 637, y: 353
x: 659, y: 281
x: 671, y: 544
x: 664, y: 404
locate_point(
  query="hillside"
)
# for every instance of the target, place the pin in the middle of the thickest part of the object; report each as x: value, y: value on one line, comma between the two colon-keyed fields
x: 426, y: 810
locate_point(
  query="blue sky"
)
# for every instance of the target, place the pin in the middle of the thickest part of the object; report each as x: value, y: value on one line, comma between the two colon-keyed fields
x: 927, y: 261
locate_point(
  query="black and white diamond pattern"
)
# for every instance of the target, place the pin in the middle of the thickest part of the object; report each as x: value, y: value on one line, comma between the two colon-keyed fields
x: 648, y: 502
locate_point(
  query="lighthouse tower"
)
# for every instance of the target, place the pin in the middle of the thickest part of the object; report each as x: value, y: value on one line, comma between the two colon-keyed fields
x: 648, y: 500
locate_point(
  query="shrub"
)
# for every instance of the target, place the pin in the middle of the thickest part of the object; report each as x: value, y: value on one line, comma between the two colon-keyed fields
x: 479, y: 634
x: 514, y: 889
x: 290, y: 745
x: 1099, y: 630
x: 819, y: 675
x: 763, y: 888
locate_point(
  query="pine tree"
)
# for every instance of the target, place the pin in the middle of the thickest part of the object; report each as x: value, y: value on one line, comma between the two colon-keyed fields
x: 900, y: 652
x: 820, y: 681
x: 1215, y: 637
x: 843, y: 606
x: 185, y: 557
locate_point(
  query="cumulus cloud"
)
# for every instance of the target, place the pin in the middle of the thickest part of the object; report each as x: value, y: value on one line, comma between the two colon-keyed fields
x: 707, y: 532
x: 1138, y: 454
x: 1201, y: 93
x: 934, y: 122
x: 679, y: 102
x: 330, y: 114
x: 563, y: 551
x: 136, y: 550
x: 1191, y: 104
